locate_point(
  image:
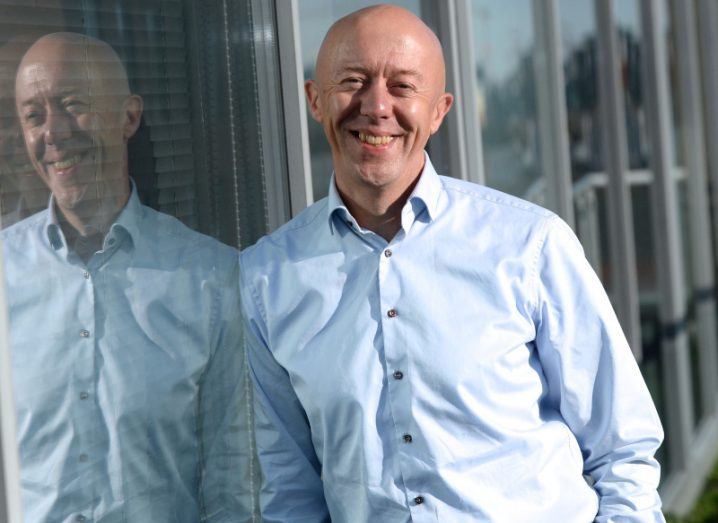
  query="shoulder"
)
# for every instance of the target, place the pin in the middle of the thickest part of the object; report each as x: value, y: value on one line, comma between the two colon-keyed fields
x: 480, y: 196
x: 302, y: 233
x: 167, y: 237
x: 23, y: 232
x: 480, y: 210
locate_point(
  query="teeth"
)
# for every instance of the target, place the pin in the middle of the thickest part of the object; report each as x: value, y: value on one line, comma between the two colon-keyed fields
x: 375, y: 140
x: 66, y: 164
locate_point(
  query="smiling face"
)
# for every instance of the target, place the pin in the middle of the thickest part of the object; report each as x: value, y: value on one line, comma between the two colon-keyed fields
x: 379, y: 94
x: 76, y: 116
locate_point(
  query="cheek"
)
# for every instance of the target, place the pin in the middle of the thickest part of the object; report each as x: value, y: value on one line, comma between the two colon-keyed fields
x: 338, y: 108
x: 33, y: 143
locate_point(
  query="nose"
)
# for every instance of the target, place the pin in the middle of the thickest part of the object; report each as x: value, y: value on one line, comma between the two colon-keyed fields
x: 376, y: 101
x: 57, y: 127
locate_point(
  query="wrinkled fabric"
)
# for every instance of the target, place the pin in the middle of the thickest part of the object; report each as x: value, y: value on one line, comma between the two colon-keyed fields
x: 471, y: 369
x: 127, y: 373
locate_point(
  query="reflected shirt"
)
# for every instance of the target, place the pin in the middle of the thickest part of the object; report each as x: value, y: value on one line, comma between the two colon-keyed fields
x: 127, y: 373
x: 472, y: 369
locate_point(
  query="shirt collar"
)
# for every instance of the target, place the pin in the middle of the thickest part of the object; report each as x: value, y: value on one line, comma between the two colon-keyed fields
x: 126, y: 224
x: 425, y: 195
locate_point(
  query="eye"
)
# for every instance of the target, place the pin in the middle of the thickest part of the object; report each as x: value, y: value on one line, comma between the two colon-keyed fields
x: 74, y: 106
x: 353, y: 82
x: 402, y: 87
x: 32, y: 117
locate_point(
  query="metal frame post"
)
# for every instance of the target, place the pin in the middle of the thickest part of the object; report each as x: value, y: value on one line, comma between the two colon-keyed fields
x: 551, y: 102
x: 667, y: 238
x: 615, y: 154
x: 299, y: 167
x: 460, y: 135
x: 274, y: 161
x: 10, y: 500
x: 688, y: 69
x: 708, y: 33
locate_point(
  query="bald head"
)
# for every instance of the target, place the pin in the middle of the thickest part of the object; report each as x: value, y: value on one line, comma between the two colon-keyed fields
x: 380, y: 22
x: 89, y: 57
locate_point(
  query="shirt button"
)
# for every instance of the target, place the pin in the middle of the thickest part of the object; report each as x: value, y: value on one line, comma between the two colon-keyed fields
x: 398, y: 375
x: 391, y: 313
x: 86, y: 274
x: 419, y: 500
x: 80, y: 518
x: 84, y: 395
x: 85, y: 333
x: 111, y: 241
x: 388, y: 253
x: 83, y: 458
x: 407, y: 438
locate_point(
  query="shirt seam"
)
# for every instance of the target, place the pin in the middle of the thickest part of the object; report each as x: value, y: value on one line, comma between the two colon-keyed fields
x: 536, y: 259
x: 527, y: 206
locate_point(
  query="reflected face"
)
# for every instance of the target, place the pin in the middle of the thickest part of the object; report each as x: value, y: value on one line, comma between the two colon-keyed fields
x: 379, y: 96
x: 74, y: 127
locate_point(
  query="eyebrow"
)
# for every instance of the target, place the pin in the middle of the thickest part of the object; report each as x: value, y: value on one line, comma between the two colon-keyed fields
x: 364, y: 70
x: 61, y: 93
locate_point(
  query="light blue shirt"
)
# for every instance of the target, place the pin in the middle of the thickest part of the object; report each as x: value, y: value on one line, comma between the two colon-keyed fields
x: 471, y: 369
x: 127, y: 373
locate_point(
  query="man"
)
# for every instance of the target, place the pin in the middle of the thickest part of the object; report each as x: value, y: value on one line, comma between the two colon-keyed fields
x: 425, y: 349
x: 125, y: 346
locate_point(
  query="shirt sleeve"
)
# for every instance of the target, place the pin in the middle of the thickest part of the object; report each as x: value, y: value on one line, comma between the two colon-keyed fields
x: 595, y: 380
x: 291, y: 486
x: 226, y: 469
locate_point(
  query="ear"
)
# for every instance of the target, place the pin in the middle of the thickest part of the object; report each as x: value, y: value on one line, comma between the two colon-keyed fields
x: 132, y: 113
x: 312, y: 91
x: 443, y: 104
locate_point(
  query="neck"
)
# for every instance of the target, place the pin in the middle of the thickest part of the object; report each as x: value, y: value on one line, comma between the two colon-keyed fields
x: 96, y: 215
x: 376, y: 208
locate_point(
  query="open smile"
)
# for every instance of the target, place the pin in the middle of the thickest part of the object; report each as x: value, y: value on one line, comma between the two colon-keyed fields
x: 374, y: 140
x: 65, y: 166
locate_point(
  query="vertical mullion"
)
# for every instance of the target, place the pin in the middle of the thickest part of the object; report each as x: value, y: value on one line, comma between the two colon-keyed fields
x: 667, y: 238
x: 465, y: 75
x: 457, y: 46
x: 10, y: 505
x: 701, y: 240
x: 274, y: 162
x: 708, y: 32
x: 551, y: 101
x: 299, y: 168
x: 615, y: 154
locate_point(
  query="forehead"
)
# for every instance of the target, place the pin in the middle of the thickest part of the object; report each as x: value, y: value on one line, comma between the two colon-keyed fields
x: 54, y: 75
x: 370, y: 47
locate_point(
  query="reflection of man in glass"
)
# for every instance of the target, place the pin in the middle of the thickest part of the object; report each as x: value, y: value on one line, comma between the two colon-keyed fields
x: 124, y: 339
x: 426, y: 349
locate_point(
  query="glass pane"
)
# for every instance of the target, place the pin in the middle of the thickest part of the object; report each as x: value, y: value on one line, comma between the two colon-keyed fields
x: 315, y: 19
x: 124, y: 340
x: 503, y: 46
x: 580, y: 43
